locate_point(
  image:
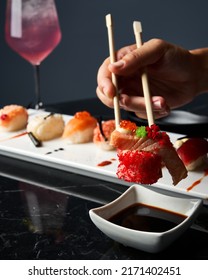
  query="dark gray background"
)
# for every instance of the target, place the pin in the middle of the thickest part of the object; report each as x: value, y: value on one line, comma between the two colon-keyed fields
x: 69, y: 73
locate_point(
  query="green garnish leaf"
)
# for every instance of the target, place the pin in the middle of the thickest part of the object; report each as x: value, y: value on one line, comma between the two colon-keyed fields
x: 141, y: 131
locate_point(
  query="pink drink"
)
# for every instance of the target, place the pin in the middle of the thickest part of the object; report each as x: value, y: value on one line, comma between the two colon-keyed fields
x: 40, y: 32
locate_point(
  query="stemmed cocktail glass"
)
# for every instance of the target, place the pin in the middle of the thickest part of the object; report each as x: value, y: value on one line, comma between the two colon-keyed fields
x: 32, y: 30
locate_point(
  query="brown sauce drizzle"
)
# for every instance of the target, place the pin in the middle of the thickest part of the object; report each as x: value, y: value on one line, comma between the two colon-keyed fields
x: 197, y: 182
x: 104, y: 163
x: 56, y: 150
x: 19, y: 135
x: 15, y: 136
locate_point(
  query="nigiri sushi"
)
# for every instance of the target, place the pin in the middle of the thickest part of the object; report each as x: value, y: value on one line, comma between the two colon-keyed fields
x: 46, y: 127
x: 129, y: 137
x: 192, y: 151
x: 102, y: 134
x: 80, y: 128
x: 13, y: 118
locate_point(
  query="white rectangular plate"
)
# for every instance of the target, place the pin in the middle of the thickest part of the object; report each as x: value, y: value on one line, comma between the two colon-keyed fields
x: 85, y: 158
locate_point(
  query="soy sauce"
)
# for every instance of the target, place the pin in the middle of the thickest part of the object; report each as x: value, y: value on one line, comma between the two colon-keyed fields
x: 147, y: 218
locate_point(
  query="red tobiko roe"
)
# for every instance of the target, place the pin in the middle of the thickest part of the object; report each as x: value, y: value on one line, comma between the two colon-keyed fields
x: 3, y: 117
x: 153, y: 131
x: 139, y: 167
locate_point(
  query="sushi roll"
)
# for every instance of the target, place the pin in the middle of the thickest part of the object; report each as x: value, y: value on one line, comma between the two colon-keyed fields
x: 139, y: 167
x: 192, y: 151
x: 46, y: 127
x: 102, y: 135
x: 130, y: 138
x: 13, y: 118
x: 80, y: 128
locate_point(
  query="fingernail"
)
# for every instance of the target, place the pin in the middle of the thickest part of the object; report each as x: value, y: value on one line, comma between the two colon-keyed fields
x: 157, y: 105
x: 118, y: 64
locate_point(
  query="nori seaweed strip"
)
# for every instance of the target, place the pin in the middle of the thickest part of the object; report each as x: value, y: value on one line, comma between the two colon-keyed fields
x: 50, y: 114
x: 35, y: 141
x: 101, y: 128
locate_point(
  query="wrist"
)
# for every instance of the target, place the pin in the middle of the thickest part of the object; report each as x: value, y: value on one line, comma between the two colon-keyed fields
x: 201, y: 69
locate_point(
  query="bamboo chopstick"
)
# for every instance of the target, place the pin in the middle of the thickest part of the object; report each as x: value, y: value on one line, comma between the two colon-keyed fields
x: 145, y: 85
x: 109, y: 25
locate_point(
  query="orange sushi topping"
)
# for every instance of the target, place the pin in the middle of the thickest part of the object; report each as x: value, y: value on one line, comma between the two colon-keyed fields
x: 82, y: 115
x: 128, y: 125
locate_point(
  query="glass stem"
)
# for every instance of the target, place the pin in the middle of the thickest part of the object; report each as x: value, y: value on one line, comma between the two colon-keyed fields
x: 38, y: 103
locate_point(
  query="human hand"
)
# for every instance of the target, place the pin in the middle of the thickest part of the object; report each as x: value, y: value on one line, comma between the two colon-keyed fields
x: 172, y: 71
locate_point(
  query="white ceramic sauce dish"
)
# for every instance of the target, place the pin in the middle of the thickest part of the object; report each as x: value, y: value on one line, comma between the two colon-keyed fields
x: 149, y: 241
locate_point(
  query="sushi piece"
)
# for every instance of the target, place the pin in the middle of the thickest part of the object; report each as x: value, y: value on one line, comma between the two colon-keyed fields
x: 13, y: 118
x: 80, y: 128
x: 192, y: 151
x: 46, y: 127
x: 149, y: 139
x: 139, y: 166
x: 102, y: 134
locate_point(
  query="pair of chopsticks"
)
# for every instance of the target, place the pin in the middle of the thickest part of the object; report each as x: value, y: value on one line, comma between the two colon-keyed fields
x: 138, y: 36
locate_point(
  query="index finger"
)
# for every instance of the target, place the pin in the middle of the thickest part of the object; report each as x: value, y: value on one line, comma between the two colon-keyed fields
x: 104, y: 80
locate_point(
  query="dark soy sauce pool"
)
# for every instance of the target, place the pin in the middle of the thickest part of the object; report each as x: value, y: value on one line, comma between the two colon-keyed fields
x: 147, y: 218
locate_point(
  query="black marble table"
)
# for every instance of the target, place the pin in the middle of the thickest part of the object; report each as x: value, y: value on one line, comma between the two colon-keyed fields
x: 44, y: 212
